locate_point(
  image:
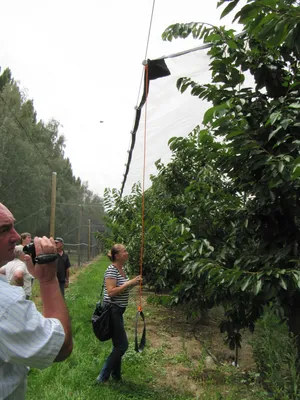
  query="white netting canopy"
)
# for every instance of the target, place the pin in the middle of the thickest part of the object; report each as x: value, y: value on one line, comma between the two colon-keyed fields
x: 169, y: 113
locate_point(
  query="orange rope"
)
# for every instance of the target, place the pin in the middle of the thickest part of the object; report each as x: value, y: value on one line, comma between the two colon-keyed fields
x: 143, y: 189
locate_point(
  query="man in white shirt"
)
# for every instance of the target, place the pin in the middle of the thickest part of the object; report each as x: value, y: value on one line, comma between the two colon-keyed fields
x: 28, y: 338
x: 25, y: 240
x: 17, y: 273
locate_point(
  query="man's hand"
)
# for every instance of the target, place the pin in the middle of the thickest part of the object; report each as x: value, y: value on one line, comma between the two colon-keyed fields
x: 45, y: 273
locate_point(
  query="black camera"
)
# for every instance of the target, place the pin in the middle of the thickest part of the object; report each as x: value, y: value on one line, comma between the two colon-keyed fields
x: 42, y: 259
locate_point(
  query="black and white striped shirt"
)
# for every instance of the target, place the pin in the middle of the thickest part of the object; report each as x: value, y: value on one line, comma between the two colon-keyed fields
x: 122, y: 299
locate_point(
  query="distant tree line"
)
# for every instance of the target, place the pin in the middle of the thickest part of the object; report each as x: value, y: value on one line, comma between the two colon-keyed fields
x: 30, y: 151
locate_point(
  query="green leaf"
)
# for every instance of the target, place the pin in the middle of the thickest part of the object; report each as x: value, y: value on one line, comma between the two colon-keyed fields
x: 208, y: 116
x: 296, y: 164
x: 258, y: 287
x: 236, y: 77
x: 297, y: 278
x: 234, y: 133
x: 245, y: 284
x: 280, y: 166
x: 286, y: 122
x: 231, y: 43
x: 264, y: 33
x: 179, y: 83
x: 213, y: 37
x: 277, y: 181
x: 172, y: 139
x: 248, y: 13
x: 258, y: 22
x: 280, y: 33
x: 186, y: 256
x: 212, y: 112
x: 274, y: 133
x: 270, y: 3
x: 229, y: 8
x: 296, y: 172
x: 272, y: 195
x: 274, y: 117
x: 294, y: 105
x: 282, y: 283
x: 182, y: 229
x: 201, y: 248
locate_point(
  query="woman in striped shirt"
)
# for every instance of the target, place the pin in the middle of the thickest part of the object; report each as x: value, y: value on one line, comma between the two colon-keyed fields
x: 116, y: 292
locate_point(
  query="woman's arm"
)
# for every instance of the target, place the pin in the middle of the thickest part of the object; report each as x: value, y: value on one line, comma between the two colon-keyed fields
x: 114, y: 290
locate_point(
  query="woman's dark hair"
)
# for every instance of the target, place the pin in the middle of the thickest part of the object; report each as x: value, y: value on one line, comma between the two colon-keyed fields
x: 114, y: 250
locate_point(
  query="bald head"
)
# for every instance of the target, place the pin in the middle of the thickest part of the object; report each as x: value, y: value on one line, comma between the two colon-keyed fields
x: 8, y: 236
x: 5, y: 213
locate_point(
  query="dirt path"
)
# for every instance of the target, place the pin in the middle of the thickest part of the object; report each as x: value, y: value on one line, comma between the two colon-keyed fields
x: 195, y: 353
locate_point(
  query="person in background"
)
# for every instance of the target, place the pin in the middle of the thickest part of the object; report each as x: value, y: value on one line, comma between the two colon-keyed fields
x: 63, y: 265
x: 16, y: 271
x: 116, y: 292
x: 28, y: 338
x: 25, y: 238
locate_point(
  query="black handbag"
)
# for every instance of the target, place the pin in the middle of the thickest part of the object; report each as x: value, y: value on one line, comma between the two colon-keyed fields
x: 101, y: 320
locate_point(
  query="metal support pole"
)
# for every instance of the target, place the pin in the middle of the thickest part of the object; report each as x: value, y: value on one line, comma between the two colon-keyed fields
x: 53, y: 205
x: 89, y: 244
x: 79, y: 235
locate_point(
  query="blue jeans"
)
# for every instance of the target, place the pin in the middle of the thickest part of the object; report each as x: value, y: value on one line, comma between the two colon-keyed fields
x: 112, y: 365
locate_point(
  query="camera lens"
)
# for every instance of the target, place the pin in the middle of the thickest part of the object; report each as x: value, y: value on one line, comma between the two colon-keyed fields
x: 30, y: 249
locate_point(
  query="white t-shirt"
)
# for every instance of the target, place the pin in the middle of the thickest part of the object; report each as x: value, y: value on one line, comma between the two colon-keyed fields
x: 18, y: 265
x: 27, y: 339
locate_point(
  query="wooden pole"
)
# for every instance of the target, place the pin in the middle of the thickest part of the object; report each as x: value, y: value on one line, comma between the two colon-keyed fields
x: 53, y: 205
x: 79, y: 235
x: 89, y: 244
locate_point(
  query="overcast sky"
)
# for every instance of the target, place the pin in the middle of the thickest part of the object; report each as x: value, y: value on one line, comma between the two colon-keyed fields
x: 81, y: 63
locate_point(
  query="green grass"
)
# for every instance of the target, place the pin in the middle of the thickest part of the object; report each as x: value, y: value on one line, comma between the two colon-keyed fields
x: 75, y: 377
x: 145, y: 375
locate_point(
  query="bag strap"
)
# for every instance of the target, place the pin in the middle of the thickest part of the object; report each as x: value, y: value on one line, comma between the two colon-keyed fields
x: 102, y: 290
